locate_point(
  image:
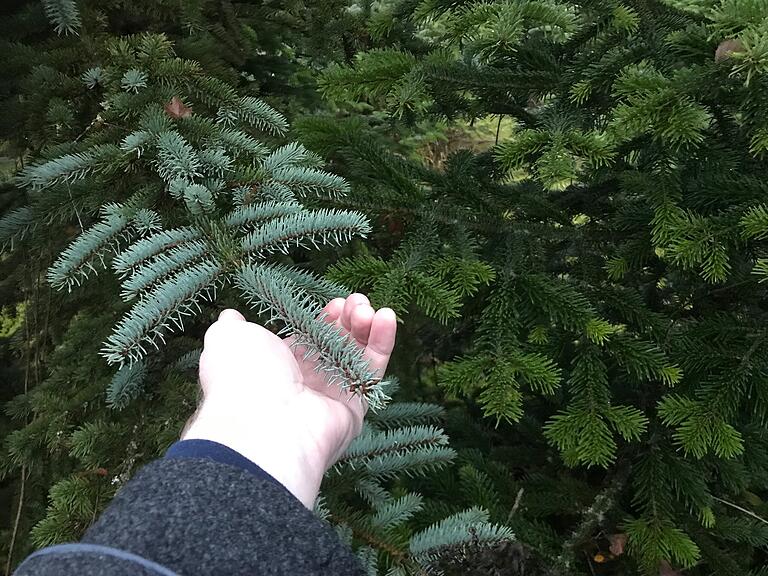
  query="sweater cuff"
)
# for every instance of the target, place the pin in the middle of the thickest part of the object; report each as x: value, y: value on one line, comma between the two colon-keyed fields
x: 210, y: 450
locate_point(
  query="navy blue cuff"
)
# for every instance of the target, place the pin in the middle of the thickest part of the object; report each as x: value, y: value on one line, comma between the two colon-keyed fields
x: 218, y: 453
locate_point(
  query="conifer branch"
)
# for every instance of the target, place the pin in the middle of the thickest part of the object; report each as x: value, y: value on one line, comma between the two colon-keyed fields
x: 376, y: 443
x: 165, y: 264
x: 276, y: 192
x: 145, y: 221
x: 397, y: 511
x: 126, y: 385
x: 256, y: 113
x: 90, y: 248
x: 68, y: 168
x: 402, y: 413
x: 317, y: 227
x: 372, y: 491
x: 337, y: 354
x: 754, y: 222
x: 414, y: 450
x: 137, y: 141
x: 215, y: 161
x: 293, y: 154
x: 164, y: 307
x: 251, y: 215
x: 463, y: 527
x: 319, y: 288
x: 15, y: 225
x: 198, y: 199
x: 188, y: 361
x: 138, y: 253
x: 64, y: 15
x: 310, y: 180
x: 176, y: 159
x: 240, y: 143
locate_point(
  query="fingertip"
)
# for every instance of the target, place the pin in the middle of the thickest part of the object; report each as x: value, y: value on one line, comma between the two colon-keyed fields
x: 352, y: 301
x: 230, y: 314
x: 383, y: 332
x: 359, y: 297
x: 332, y: 310
x: 336, y: 303
x: 385, y: 319
x: 217, y: 330
x: 387, y: 314
x: 360, y: 320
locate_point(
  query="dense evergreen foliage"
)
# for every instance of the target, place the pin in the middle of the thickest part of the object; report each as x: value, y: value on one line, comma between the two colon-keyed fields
x: 580, y: 272
x: 598, y: 269
x: 172, y: 173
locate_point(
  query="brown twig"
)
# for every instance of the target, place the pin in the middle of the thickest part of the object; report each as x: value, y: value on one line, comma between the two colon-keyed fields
x: 37, y: 326
x: 44, y: 339
x: 589, y: 563
x: 370, y: 538
x: 740, y: 509
x: 22, y: 487
x: 96, y: 504
x: 17, y: 521
x: 516, y: 505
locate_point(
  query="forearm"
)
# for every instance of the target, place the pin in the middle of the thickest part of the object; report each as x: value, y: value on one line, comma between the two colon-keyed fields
x: 264, y: 442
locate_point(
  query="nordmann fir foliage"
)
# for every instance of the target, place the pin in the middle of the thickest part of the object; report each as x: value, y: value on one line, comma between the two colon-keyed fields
x: 620, y: 209
x: 180, y: 186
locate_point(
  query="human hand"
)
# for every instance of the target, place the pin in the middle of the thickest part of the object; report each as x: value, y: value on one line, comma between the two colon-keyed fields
x: 264, y: 400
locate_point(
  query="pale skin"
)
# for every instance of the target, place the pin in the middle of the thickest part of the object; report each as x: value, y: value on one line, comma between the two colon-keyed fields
x: 262, y: 399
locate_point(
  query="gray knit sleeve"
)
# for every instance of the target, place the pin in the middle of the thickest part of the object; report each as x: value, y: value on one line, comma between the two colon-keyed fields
x: 198, y: 517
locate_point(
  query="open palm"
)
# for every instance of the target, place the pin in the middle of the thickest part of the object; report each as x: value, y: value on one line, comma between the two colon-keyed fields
x: 371, y: 330
x: 263, y: 399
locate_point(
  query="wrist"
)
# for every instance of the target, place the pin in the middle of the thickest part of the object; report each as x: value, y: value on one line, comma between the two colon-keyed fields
x: 278, y: 452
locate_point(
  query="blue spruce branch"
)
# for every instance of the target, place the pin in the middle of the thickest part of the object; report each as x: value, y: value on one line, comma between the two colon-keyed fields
x: 276, y: 192
x: 396, y: 511
x: 240, y: 143
x: 252, y: 215
x: 311, y: 181
x: 162, y: 266
x: 215, y: 161
x: 64, y: 15
x: 320, y: 226
x: 80, y: 258
x: 162, y: 309
x: 293, y: 154
x: 372, y: 491
x: 198, y: 199
x: 256, y: 113
x: 147, y: 248
x: 472, y: 525
x: 319, y: 288
x: 402, y: 413
x: 413, y: 450
x: 68, y: 168
x: 337, y: 354
x: 126, y: 385
x: 15, y: 225
x: 176, y: 158
x: 137, y: 141
x: 188, y: 361
x: 145, y: 221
